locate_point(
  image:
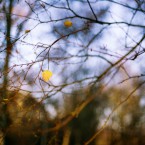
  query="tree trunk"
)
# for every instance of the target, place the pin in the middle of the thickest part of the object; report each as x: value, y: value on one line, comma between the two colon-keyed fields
x: 4, y: 116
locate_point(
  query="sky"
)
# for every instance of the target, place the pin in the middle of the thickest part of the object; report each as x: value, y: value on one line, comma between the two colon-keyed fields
x: 113, y: 40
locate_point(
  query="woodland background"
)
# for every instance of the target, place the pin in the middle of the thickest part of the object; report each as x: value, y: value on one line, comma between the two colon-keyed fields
x: 96, y: 95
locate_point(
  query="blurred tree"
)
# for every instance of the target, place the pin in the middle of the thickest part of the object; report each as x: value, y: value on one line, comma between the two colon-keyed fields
x: 26, y: 120
x: 17, y: 112
x: 85, y: 124
x: 125, y: 125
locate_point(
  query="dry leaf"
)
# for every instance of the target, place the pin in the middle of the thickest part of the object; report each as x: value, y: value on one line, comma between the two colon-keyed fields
x: 67, y: 23
x: 27, y: 31
x: 46, y: 75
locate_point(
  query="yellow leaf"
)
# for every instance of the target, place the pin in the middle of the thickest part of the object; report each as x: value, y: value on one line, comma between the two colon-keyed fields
x: 67, y: 23
x: 27, y: 31
x: 46, y: 75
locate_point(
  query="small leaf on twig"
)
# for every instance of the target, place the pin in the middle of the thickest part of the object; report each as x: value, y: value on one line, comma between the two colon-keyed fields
x: 27, y: 31
x: 67, y: 23
x: 46, y: 75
